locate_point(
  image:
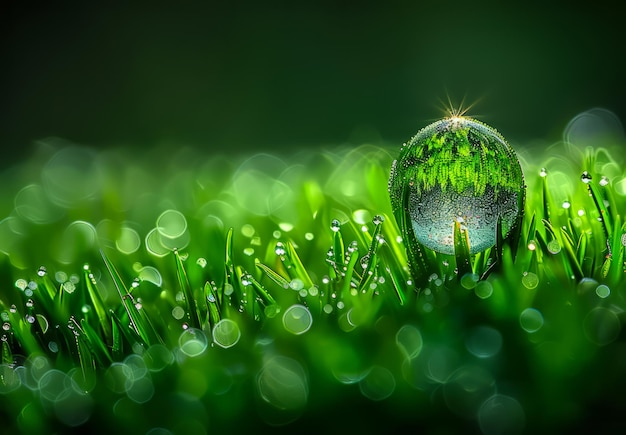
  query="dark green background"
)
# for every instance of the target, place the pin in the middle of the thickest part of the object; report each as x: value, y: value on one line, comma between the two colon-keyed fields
x: 235, y: 76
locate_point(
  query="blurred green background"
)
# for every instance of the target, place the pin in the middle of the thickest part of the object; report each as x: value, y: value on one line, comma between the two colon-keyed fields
x: 274, y: 75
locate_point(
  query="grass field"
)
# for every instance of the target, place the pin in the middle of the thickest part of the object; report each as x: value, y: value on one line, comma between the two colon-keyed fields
x: 176, y: 290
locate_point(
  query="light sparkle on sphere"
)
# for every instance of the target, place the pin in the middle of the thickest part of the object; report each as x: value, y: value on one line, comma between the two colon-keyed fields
x: 456, y: 170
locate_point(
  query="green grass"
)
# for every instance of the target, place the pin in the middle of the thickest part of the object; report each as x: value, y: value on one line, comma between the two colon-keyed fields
x: 189, y: 292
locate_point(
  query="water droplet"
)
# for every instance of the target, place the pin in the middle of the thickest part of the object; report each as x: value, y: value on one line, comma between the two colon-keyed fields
x: 228, y: 289
x: 604, y: 181
x: 566, y: 204
x: 585, y: 177
x: 296, y: 284
x: 30, y: 303
x: 335, y: 225
x: 69, y: 287
x: 211, y: 297
x: 201, y: 262
x: 458, y: 167
x: 246, y: 279
x: 623, y: 239
x: 378, y: 219
x: 13, y: 308
x: 554, y: 247
x: 6, y: 326
x: 42, y: 271
x: 309, y: 236
x: 22, y: 283
x: 178, y: 313
x: 280, y: 249
x: 543, y: 172
x: 530, y: 280
x: 365, y: 261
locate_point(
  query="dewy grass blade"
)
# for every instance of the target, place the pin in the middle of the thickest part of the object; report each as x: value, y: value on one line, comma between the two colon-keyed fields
x: 213, y: 304
x: 605, y: 216
x: 97, y: 346
x: 461, y: 250
x: 98, y: 304
x: 272, y: 275
x: 137, y: 324
x: 185, y: 287
x: 7, y: 355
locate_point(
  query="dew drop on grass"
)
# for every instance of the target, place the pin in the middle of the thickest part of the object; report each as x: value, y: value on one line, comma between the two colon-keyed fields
x: 378, y: 219
x: 604, y: 181
x: 21, y: 284
x: 457, y: 168
x: 309, y: 236
x: 531, y: 320
x: 13, y: 308
x: 6, y: 326
x: 543, y: 172
x: 586, y: 177
x: 623, y: 239
x: 280, y: 249
x: 226, y: 333
x: 554, y: 247
x: 228, y: 289
x: 296, y: 284
x: 297, y: 319
x: 42, y: 271
x: 201, y: 262
x: 335, y: 225
x: 69, y: 287
x: 530, y: 280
